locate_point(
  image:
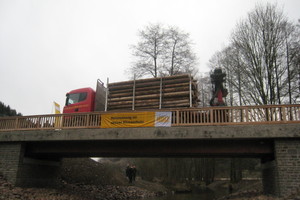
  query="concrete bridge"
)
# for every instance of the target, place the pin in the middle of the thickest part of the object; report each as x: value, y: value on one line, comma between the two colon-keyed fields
x: 31, y: 147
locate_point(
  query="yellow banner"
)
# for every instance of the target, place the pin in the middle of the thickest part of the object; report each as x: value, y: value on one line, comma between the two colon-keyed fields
x: 135, y: 119
x: 56, y: 108
x: 57, y: 121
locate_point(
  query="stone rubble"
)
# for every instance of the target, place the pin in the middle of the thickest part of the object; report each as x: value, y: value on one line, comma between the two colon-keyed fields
x: 73, y: 192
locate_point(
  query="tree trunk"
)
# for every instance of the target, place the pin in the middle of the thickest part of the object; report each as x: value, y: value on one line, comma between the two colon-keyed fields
x: 235, y: 170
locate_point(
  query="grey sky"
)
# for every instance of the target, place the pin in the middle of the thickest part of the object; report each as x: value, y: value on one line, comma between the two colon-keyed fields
x: 49, y: 47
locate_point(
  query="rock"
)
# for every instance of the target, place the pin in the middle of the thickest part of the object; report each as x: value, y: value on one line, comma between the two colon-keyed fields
x: 76, y: 191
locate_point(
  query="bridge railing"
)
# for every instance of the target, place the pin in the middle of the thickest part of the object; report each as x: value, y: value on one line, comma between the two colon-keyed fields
x: 238, y: 115
x: 183, y: 117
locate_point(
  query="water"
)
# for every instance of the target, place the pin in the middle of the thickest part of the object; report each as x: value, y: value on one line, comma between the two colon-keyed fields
x: 203, y: 195
x: 185, y: 197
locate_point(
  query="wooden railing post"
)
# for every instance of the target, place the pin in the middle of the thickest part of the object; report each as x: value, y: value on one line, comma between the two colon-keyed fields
x: 212, y: 116
x: 247, y: 114
x: 99, y: 123
x: 17, y: 123
x: 88, y: 120
x: 283, y: 113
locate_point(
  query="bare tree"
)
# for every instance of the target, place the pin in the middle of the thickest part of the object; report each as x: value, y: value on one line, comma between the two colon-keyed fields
x: 292, y: 43
x: 149, y: 51
x: 261, y: 61
x: 235, y: 170
x: 162, y: 51
x: 255, y: 38
x: 179, y: 57
x: 205, y: 87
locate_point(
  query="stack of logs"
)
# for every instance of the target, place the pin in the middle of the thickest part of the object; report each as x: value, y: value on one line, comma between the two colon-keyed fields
x: 179, y: 91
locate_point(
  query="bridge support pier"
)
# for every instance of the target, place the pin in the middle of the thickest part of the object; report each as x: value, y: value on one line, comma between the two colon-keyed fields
x: 27, y: 172
x: 281, y: 177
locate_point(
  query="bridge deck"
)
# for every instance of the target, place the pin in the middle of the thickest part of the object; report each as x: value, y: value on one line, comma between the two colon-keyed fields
x: 229, y: 140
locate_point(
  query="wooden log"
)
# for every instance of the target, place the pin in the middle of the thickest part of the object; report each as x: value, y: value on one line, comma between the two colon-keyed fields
x: 123, y: 85
x: 169, y: 104
x: 152, y: 107
x: 148, y: 92
x: 128, y: 90
x: 149, y: 80
x: 165, y: 92
x: 152, y: 96
x: 149, y: 102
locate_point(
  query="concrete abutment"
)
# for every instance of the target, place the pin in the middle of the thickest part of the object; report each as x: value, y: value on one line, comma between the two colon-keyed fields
x: 281, y: 176
x: 287, y: 155
x: 27, y: 172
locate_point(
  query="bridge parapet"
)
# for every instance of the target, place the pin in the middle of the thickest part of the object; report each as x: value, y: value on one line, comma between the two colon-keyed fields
x: 270, y: 114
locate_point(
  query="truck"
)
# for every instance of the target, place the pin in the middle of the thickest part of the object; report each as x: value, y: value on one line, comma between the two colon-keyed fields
x: 178, y: 91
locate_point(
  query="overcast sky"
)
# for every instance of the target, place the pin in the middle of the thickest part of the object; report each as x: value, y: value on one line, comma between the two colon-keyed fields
x: 49, y: 47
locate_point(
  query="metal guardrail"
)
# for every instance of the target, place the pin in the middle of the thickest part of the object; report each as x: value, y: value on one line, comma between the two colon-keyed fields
x: 269, y: 114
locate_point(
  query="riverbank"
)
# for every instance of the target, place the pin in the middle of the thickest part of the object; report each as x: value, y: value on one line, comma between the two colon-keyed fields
x: 74, y: 192
x: 110, y: 192
x: 257, y: 195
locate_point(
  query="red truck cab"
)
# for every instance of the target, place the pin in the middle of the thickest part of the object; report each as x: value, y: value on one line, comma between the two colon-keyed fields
x: 80, y: 100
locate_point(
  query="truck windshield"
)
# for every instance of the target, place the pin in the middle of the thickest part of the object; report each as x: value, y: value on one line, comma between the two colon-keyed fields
x: 75, y: 98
